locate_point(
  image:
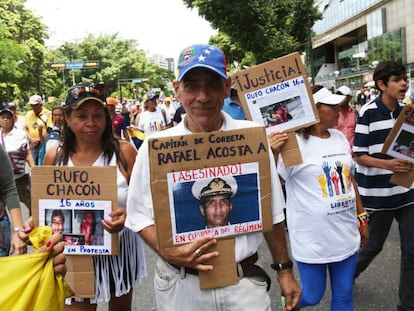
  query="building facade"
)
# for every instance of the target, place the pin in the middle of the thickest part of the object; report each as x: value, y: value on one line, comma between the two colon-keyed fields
x: 354, y: 35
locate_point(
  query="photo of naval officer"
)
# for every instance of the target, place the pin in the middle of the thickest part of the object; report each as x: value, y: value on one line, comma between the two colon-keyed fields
x: 215, y: 200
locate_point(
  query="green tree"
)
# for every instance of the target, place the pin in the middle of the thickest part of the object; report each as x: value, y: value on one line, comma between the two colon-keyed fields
x: 22, y: 50
x: 118, y: 59
x: 266, y: 29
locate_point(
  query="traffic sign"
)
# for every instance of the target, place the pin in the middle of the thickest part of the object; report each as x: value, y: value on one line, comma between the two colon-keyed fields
x: 57, y: 66
x: 91, y: 64
x: 74, y: 65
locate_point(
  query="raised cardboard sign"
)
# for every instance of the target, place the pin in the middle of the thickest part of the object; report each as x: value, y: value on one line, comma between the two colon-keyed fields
x: 277, y: 95
x: 400, y: 144
x: 183, y: 168
x: 83, y: 196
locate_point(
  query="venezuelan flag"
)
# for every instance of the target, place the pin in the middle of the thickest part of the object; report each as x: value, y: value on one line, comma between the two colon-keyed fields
x: 136, y: 136
x: 162, y: 95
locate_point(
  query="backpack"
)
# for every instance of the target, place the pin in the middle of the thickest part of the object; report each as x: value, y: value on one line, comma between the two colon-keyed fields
x: 42, y: 151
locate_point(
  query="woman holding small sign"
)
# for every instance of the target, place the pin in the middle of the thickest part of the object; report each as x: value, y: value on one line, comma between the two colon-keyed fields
x: 325, y: 216
x: 89, y: 141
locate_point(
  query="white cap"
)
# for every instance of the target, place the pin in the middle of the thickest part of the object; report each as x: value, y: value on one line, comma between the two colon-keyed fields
x: 35, y: 100
x: 324, y: 96
x: 344, y: 90
x: 216, y: 186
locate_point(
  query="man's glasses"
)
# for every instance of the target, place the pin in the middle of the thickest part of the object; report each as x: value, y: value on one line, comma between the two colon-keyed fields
x: 78, y: 92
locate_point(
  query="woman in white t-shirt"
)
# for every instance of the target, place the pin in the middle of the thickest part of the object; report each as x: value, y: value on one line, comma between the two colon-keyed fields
x: 152, y: 119
x: 16, y: 144
x: 323, y: 206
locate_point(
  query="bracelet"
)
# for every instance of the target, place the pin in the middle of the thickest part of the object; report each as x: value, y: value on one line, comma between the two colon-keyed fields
x: 282, y: 266
x: 363, y: 218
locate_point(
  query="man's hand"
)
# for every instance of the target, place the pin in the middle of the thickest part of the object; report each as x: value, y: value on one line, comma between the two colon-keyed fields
x: 34, y: 142
x: 364, y: 232
x: 400, y: 166
x: 193, y: 255
x: 289, y: 289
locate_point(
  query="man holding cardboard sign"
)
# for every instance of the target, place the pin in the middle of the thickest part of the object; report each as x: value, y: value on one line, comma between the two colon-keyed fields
x: 201, y: 87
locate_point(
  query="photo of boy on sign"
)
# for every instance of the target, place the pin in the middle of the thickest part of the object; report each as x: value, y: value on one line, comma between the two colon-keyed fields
x: 59, y: 220
x: 220, y: 206
x: 79, y: 222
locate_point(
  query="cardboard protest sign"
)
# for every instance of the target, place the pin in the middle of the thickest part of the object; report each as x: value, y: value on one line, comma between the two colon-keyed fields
x: 80, y: 275
x: 229, y: 169
x: 73, y: 201
x: 277, y: 95
x: 400, y: 144
x: 225, y: 271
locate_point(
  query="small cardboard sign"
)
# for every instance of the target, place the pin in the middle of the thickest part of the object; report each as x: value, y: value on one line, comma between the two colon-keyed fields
x: 400, y: 144
x: 184, y: 168
x: 74, y: 200
x: 277, y: 95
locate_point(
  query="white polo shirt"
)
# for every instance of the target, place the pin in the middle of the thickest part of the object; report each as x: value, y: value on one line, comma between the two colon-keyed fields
x: 140, y: 213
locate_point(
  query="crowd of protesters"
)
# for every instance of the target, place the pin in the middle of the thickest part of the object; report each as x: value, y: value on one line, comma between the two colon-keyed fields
x: 40, y: 135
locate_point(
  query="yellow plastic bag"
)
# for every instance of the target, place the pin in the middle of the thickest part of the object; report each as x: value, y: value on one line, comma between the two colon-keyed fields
x: 28, y: 282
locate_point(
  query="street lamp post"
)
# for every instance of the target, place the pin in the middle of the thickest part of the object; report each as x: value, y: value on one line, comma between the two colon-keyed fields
x: 336, y: 73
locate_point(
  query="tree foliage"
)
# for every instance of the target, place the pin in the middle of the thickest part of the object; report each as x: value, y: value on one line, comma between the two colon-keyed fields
x: 118, y: 59
x: 22, y: 49
x: 267, y: 29
x: 25, y: 62
x: 250, y: 32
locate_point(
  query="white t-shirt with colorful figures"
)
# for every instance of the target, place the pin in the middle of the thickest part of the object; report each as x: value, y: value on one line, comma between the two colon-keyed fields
x: 151, y: 121
x: 320, y: 206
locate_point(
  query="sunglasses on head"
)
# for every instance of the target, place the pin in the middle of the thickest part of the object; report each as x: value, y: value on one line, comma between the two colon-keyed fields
x: 79, y: 92
x: 95, y: 89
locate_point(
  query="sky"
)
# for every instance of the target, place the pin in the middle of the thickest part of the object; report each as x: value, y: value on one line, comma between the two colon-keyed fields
x: 160, y: 26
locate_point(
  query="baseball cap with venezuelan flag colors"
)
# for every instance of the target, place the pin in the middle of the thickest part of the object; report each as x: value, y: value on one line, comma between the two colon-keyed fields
x: 202, y: 56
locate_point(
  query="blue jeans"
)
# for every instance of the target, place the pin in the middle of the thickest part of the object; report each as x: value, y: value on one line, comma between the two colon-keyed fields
x: 379, y: 225
x: 35, y: 153
x: 313, y: 281
x: 5, y: 227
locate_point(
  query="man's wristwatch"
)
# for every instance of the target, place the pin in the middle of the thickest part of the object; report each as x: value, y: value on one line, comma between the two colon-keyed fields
x: 16, y: 229
x: 282, y: 266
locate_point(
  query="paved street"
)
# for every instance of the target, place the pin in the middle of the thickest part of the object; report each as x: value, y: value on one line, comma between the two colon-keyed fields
x: 375, y: 290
